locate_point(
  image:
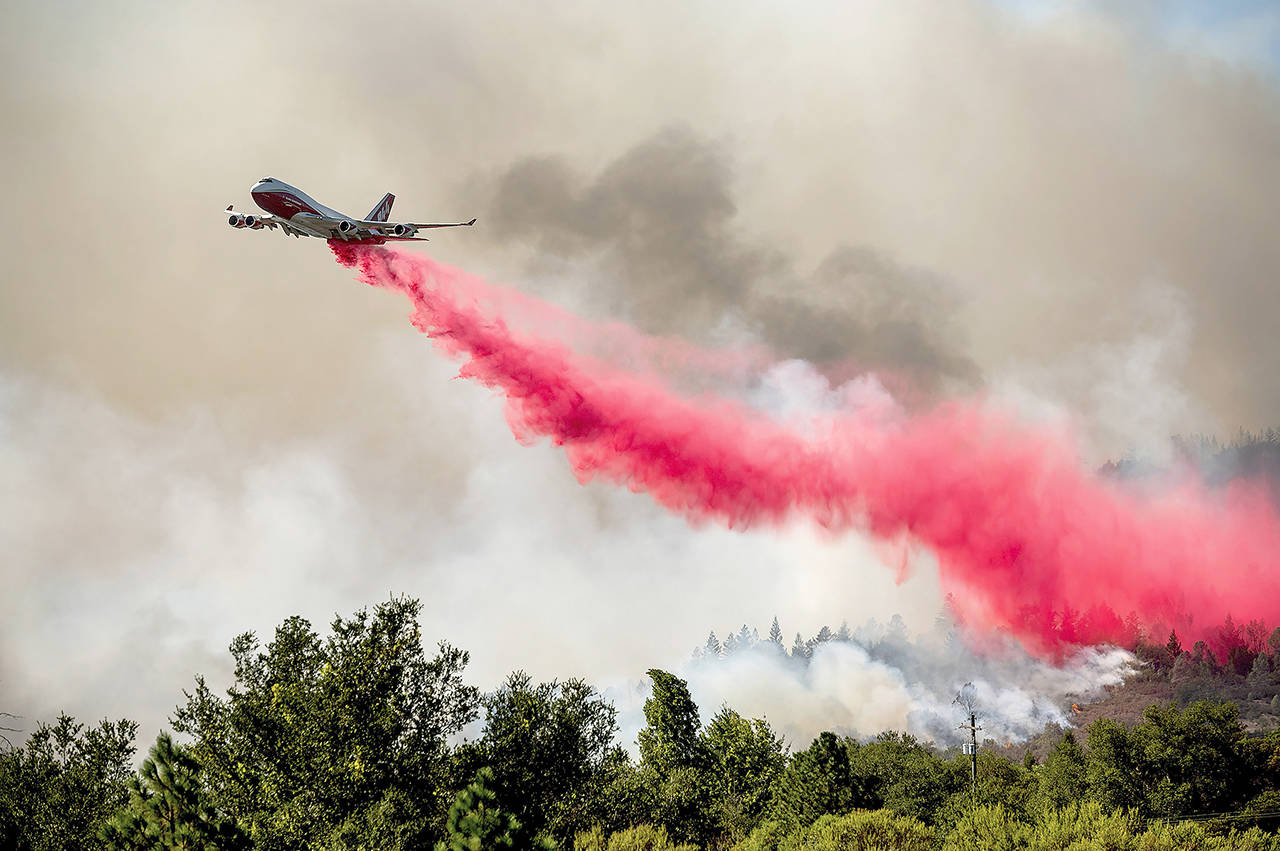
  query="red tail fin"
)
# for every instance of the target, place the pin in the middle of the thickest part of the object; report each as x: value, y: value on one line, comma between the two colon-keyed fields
x: 383, y: 210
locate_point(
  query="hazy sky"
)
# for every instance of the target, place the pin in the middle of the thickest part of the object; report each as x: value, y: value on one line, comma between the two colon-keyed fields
x: 206, y: 430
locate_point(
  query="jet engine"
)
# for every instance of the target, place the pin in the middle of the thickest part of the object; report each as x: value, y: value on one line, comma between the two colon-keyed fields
x: 236, y: 220
x: 346, y: 228
x: 404, y: 230
x: 250, y: 221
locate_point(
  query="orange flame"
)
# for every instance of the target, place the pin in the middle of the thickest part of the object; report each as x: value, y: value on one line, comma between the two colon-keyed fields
x: 1075, y: 707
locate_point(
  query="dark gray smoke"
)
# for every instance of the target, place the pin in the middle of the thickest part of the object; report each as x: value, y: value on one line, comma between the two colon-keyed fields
x: 658, y: 229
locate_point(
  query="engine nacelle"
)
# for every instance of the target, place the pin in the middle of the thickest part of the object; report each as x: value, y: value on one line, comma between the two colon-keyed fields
x: 251, y: 221
x: 236, y: 220
x: 404, y: 230
x: 346, y: 228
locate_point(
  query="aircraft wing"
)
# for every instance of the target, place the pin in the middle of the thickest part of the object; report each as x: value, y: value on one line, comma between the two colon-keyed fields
x: 414, y: 225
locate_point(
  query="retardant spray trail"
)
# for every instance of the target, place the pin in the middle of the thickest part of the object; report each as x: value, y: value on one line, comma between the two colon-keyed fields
x: 1026, y: 540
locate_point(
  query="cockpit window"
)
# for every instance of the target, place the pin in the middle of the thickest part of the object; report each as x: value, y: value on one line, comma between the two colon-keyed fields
x: 266, y: 180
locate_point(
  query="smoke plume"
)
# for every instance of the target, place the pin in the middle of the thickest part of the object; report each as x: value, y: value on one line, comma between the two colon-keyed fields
x: 1029, y: 543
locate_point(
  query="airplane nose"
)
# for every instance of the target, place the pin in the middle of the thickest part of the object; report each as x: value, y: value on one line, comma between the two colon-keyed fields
x: 260, y: 186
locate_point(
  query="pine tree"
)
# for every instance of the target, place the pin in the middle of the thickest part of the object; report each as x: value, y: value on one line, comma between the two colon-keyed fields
x: 475, y: 822
x: 1174, y: 646
x: 169, y: 808
x: 1063, y: 775
x: 745, y: 638
x: 775, y: 632
x: 799, y: 650
x: 824, y: 635
x: 713, y: 645
x: 844, y: 634
x: 817, y: 781
x: 1260, y: 673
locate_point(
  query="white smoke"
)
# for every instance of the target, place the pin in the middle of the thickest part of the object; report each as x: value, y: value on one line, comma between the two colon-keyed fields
x: 878, y: 680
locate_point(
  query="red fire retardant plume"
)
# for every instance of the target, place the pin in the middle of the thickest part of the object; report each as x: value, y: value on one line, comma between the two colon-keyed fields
x: 1028, y: 542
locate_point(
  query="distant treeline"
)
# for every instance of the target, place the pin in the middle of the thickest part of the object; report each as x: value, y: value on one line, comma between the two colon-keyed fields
x: 350, y: 741
x: 1249, y: 455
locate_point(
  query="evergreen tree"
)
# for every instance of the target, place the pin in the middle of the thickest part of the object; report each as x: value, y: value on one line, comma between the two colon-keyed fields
x: 824, y: 635
x: 799, y: 650
x: 844, y: 634
x: 1273, y: 643
x: 475, y: 823
x: 1260, y: 673
x: 169, y: 808
x: 1174, y: 646
x: 712, y: 646
x: 669, y: 739
x: 775, y: 633
x: 1063, y: 776
x: 673, y: 760
x: 1201, y: 653
x: 817, y: 781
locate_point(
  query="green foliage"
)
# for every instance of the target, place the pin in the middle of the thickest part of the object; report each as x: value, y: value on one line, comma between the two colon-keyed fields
x: 550, y: 748
x: 341, y: 741
x: 1179, y: 761
x: 1063, y: 777
x: 860, y: 830
x: 1115, y: 766
x: 344, y: 743
x: 1261, y: 675
x: 642, y: 837
x: 745, y: 760
x: 1088, y: 826
x: 475, y: 823
x: 1084, y: 822
x: 817, y: 781
x: 901, y: 774
x: 670, y: 737
x: 58, y: 790
x: 674, y: 761
x: 628, y: 794
x: 989, y: 827
x: 683, y: 803
x: 169, y: 808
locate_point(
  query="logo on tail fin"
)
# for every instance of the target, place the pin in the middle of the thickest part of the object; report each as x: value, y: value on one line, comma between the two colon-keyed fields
x: 383, y: 210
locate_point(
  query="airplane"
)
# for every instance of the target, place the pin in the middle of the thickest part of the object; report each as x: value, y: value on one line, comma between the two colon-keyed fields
x: 298, y: 214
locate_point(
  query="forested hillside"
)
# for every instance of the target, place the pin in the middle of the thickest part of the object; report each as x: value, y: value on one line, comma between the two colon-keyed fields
x: 351, y: 740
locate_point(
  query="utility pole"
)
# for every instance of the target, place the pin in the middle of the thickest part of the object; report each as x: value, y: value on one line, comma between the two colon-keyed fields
x: 967, y: 698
